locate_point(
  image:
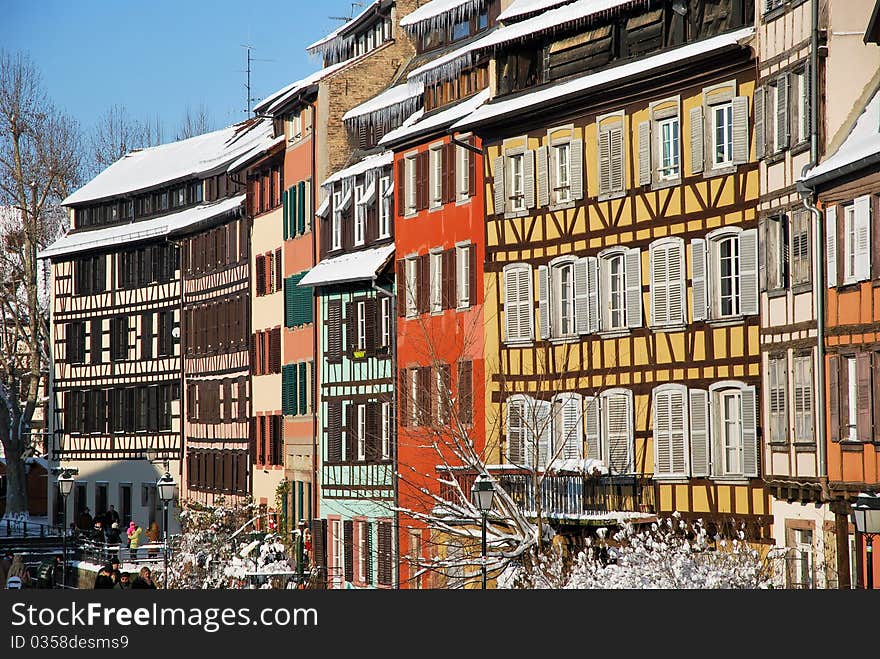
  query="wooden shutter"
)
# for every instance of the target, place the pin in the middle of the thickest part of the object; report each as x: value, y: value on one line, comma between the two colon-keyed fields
x: 741, y: 129
x: 645, y: 153
x: 319, y: 542
x: 242, y: 398
x: 633, y: 287
x: 834, y: 390
x: 275, y: 350
x: 447, y: 173
x: 227, y: 401
x: 401, y: 288
x: 147, y: 335
x: 371, y: 441
x: 529, y: 178
x: 348, y: 544
x: 760, y: 126
x: 384, y: 553
x: 403, y: 399
x: 749, y: 432
x: 448, y: 293
x: 334, y: 330
x: 831, y: 245
x: 593, y: 311
x: 544, y: 294
x: 400, y: 190
x: 782, y: 112
x: 261, y: 275
x: 279, y: 270
x: 699, y: 418
x: 96, y: 341
x: 864, y: 402
x: 303, y: 387
x: 334, y: 431
x: 516, y: 430
x: 424, y: 397
x: 350, y: 426
x: 422, y: 181
x: 699, y: 281
x: 604, y: 161
x: 541, y: 170
x: 288, y: 394
x: 576, y: 168
x: 875, y: 394
x: 662, y: 432
x: 370, y: 315
x: 696, y: 124
x: 591, y: 427
x: 301, y: 198
x: 862, y: 211
x: 582, y: 295
x: 472, y: 169
x: 618, y: 159
x: 498, y: 182
x: 350, y: 327
x: 472, y: 275
x: 465, y: 392
x: 423, y: 283
x: 748, y: 250
x: 570, y: 432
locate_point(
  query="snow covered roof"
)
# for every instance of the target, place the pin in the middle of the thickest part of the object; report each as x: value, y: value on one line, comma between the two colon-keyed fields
x: 562, y: 90
x: 451, y: 63
x: 277, y: 100
x: 338, y: 41
x: 81, y: 241
x: 520, y: 8
x: 366, y: 164
x: 393, y: 105
x: 258, y: 151
x: 166, y: 163
x: 440, y: 14
x: 420, y: 124
x: 354, y: 266
x: 861, y: 144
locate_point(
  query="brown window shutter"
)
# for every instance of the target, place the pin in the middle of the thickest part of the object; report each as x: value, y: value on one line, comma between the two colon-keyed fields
x: 424, y: 395
x: 372, y: 439
x: 243, y: 239
x: 350, y: 328
x: 334, y: 431
x: 350, y: 431
x: 422, y: 181
x: 472, y: 170
x: 384, y: 553
x: 401, y: 287
x: 370, y: 318
x: 864, y: 402
x: 403, y: 399
x: 275, y: 350
x: 400, y: 191
x: 348, y: 544
x: 444, y: 394
x: 242, y: 396
x: 334, y: 330
x: 834, y: 396
x: 279, y: 270
x: 227, y: 401
x: 875, y: 394
x: 445, y: 178
x: 465, y: 392
x: 472, y: 275
x: 254, y: 338
x: 423, y: 283
x: 319, y: 542
x: 447, y: 296
x: 261, y: 275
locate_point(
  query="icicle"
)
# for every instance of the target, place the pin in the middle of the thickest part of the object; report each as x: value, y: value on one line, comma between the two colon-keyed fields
x: 443, y: 21
x: 390, y: 116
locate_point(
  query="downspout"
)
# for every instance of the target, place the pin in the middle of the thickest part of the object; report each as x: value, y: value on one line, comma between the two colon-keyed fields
x: 393, y: 353
x: 317, y: 362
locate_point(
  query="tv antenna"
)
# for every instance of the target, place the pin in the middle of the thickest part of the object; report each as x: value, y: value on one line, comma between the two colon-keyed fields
x: 247, y: 86
x: 347, y: 18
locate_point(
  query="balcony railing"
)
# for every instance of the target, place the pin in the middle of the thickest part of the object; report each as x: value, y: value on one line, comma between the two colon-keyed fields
x: 565, y: 496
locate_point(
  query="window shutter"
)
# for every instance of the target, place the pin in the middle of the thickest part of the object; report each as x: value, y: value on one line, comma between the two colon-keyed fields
x: 699, y: 418
x: 512, y: 330
x: 319, y: 542
x: 301, y: 208
x: 350, y: 323
x: 544, y: 301
x: 529, y: 178
x: 741, y: 130
x: 864, y: 398
x: 571, y: 433
x: 384, y: 553
x: 286, y: 214
x: 261, y: 275
x: 806, y: 120
x: 448, y: 297
x: 862, y: 206
x: 371, y: 441
x: 541, y: 431
x: 618, y: 414
x: 748, y: 247
x: 401, y: 287
x: 472, y: 169
x: 831, y: 245
x: 659, y: 255
x: 645, y: 153
x: 576, y: 168
x: 593, y: 311
x: 288, y: 399
x: 275, y: 350
x: 618, y: 160
x: 749, y: 432
x: 498, y: 182
x: 760, y: 135
x: 875, y: 374
x: 370, y: 326
x: 696, y: 124
x: 465, y: 392
x: 834, y: 396
x: 591, y: 427
x: 348, y: 545
x: 634, y: 287
x: 765, y: 251
x: 581, y: 295
x: 515, y: 430
x: 403, y: 400
x: 472, y: 275
x: 782, y: 119
x: 334, y: 330
x: 543, y: 182
x: 698, y: 278
x: 303, y: 388
x: 423, y: 401
x: 604, y: 162
x: 662, y: 433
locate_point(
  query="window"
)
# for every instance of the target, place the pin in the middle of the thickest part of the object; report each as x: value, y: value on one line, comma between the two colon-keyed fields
x: 411, y: 183
x: 412, y: 264
x: 385, y: 197
x: 728, y: 276
x: 119, y: 338
x: 849, y: 244
x: 775, y: 251
x: 800, y: 570
x: 612, y: 157
x: 777, y: 385
x: 436, y: 281
x: 669, y: 149
x: 671, y: 438
x: 361, y: 325
x: 803, y: 399
x: 528, y: 423
x: 612, y: 271
x: 801, y: 249
x: 667, y: 283
x: 731, y: 289
x: 385, y: 430
x: 414, y: 398
x: 461, y: 29
x: 852, y: 411
x: 463, y: 275
x: 730, y: 421
x: 561, y: 173
x: 361, y: 432
x: 801, y: 93
x: 360, y: 215
x: 517, y: 182
x: 75, y: 337
x: 722, y: 135
x: 855, y: 236
x: 336, y: 229
x: 338, y: 552
x: 564, y: 314
x: 608, y: 427
x: 436, y: 175
x: 385, y: 323
x: 462, y: 170
x: 518, y: 303
x: 734, y: 430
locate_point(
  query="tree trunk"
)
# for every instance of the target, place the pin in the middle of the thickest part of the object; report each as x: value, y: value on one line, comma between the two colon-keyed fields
x: 16, y: 481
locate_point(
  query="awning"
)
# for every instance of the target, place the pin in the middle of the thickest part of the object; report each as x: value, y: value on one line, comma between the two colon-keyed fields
x: 324, y: 208
x: 354, y: 266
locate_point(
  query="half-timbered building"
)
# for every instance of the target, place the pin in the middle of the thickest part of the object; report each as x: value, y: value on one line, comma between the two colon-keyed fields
x: 621, y: 273
x: 116, y: 317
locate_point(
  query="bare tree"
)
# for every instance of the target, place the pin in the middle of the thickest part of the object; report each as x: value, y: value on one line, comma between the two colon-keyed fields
x: 196, y: 121
x: 40, y: 159
x: 116, y: 133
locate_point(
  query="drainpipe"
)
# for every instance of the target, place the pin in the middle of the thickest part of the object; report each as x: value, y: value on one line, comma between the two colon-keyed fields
x: 393, y: 353
x: 317, y: 360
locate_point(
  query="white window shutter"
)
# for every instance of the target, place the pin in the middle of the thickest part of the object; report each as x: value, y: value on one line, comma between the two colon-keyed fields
x: 763, y: 237
x: 544, y: 294
x: 618, y: 160
x: 678, y: 417
x: 541, y: 167
x: 696, y: 123
x: 576, y: 168
x: 634, y: 287
x: 782, y: 119
x: 618, y: 420
x: 749, y: 432
x: 748, y: 273
x: 699, y: 418
x: 512, y: 329
x: 529, y: 178
x: 676, y: 282
x: 658, y: 265
x: 740, y: 130
x: 540, y: 430
x: 760, y: 134
x: 572, y: 431
x: 645, y: 153
x: 591, y: 427
x: 592, y: 294
x: 604, y: 161
x: 831, y: 245
x: 515, y: 413
x: 526, y: 304
x: 662, y: 433
x: 500, y: 197
x: 862, y: 210
x: 699, y: 282
x: 581, y: 296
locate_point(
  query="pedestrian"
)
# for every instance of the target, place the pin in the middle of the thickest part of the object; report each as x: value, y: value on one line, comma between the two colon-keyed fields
x: 84, y: 521
x: 153, y: 537
x: 111, y: 534
x: 104, y: 580
x: 49, y: 572
x: 124, y: 581
x: 144, y: 580
x: 112, y: 517
x: 135, y: 541
x: 18, y: 576
x: 114, y: 569
x: 98, y: 533
x: 130, y: 531
x: 5, y: 564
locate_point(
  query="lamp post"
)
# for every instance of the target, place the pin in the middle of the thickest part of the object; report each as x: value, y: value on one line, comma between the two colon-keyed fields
x: 65, y: 486
x: 300, y: 550
x: 166, y: 486
x: 866, y: 518
x: 482, y: 493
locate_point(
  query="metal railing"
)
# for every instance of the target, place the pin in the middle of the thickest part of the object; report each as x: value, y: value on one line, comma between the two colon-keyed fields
x: 21, y: 528
x: 101, y: 553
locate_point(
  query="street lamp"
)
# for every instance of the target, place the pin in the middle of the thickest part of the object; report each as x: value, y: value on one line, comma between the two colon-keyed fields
x: 866, y: 518
x: 65, y: 486
x: 300, y: 550
x: 166, y: 486
x: 482, y: 493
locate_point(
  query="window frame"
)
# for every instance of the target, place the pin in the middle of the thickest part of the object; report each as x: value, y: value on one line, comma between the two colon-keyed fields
x: 384, y: 210
x: 462, y: 171
x: 435, y: 175
x: 462, y: 275
x: 411, y: 204
x: 515, y: 202
x: 557, y: 267
x: 360, y: 215
x: 435, y: 281
x: 411, y: 283
x: 714, y: 239
x: 336, y: 227
x: 606, y: 258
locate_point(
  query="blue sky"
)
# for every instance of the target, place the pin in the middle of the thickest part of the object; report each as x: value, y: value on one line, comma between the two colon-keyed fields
x: 97, y: 53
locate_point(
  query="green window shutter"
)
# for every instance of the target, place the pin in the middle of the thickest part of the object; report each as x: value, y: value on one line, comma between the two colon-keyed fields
x: 301, y: 208
x: 303, y: 391
x: 291, y: 215
x: 288, y: 384
x: 289, y: 300
x: 284, y: 206
x: 305, y: 306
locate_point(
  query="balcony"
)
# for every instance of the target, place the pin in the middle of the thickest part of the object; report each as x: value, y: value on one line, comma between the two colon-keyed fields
x: 569, y: 498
